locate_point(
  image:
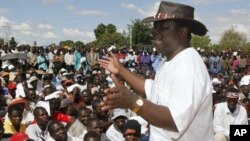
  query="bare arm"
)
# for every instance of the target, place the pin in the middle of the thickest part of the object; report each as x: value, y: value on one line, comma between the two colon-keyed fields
x: 124, y: 98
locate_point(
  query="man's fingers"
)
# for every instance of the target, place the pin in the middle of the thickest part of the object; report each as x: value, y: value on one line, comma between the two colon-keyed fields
x: 107, y: 58
x: 115, y: 80
x: 109, y: 102
x: 113, y: 56
x: 112, y: 90
x: 103, y: 61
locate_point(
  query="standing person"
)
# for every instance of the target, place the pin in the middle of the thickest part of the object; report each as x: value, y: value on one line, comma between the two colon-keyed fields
x: 51, y: 58
x: 69, y: 60
x: 42, y: 61
x: 77, y: 59
x: 92, y: 57
x: 181, y: 90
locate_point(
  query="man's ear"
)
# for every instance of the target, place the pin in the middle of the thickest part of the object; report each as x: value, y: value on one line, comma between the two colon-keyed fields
x: 184, y: 33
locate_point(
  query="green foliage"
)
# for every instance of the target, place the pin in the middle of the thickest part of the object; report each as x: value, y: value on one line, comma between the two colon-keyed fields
x: 141, y: 33
x: 232, y: 39
x: 69, y: 43
x: 107, y: 36
x: 246, y: 48
x: 111, y: 28
x: 79, y: 44
x: 53, y: 45
x: 1, y: 41
x: 12, y: 42
x: 107, y: 40
x: 200, y: 41
x: 101, y: 29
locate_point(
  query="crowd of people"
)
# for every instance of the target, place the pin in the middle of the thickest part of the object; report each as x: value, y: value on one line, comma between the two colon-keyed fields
x: 55, y: 94
x: 111, y: 94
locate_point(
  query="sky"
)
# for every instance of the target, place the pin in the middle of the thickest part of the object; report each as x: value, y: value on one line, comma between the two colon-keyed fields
x: 51, y: 21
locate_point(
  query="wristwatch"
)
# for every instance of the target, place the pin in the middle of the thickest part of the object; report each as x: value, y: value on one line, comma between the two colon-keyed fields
x: 138, y: 104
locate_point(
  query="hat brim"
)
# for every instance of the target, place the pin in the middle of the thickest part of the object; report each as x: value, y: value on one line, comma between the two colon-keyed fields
x: 195, y: 26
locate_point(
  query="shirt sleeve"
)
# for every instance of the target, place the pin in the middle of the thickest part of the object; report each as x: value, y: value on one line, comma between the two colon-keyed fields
x: 147, y: 86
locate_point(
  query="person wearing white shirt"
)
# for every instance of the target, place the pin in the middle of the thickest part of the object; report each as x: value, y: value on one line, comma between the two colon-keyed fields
x: 228, y: 113
x: 69, y: 60
x: 39, y: 130
x: 178, y: 102
x: 51, y: 58
x: 115, y: 131
x: 58, y: 132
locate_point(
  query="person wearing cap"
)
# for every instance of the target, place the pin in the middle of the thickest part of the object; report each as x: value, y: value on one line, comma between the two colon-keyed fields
x: 244, y: 87
x: 132, y: 130
x: 169, y: 93
x: 228, y: 113
x: 115, y: 131
x: 5, y: 76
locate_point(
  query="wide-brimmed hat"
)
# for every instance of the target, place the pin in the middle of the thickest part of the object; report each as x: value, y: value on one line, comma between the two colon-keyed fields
x: 180, y: 12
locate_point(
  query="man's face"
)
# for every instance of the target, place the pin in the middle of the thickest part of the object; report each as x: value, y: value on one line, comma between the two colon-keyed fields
x: 58, y: 132
x: 131, y: 137
x: 84, y: 116
x: 87, y: 97
x: 165, y: 36
x: 32, y: 95
x: 16, y: 117
x: 120, y: 122
x: 245, y: 89
x: 232, y: 103
x: 96, y: 126
x: 42, y: 117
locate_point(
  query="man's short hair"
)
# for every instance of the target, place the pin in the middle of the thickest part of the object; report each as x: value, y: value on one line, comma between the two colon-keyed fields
x: 93, y: 135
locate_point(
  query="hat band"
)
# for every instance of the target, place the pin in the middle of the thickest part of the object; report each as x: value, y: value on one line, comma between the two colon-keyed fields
x: 232, y: 95
x: 162, y: 16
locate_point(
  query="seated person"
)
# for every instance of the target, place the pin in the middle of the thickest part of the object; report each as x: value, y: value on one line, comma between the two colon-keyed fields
x: 39, y: 130
x: 228, y: 113
x: 132, y: 130
x: 92, y: 136
x: 58, y: 132
x: 13, y: 124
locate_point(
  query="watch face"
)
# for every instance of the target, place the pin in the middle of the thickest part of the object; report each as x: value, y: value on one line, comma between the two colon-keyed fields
x: 139, y: 102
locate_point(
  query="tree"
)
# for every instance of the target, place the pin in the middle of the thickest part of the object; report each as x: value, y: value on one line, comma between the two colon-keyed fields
x: 233, y: 39
x: 200, y: 41
x: 111, y: 28
x: 246, y: 48
x: 141, y: 33
x: 69, y: 43
x: 1, y: 41
x: 52, y: 45
x: 12, y: 42
x: 79, y: 44
x: 107, y: 40
x: 101, y: 29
